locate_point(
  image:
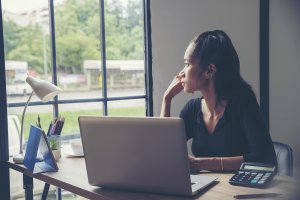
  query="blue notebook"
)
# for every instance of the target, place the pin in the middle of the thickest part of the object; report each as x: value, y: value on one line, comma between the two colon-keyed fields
x: 37, y: 141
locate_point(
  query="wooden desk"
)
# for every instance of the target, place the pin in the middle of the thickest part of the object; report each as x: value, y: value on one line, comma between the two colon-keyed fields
x: 72, y: 177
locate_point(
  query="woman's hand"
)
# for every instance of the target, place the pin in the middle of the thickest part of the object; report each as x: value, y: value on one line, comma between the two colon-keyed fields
x: 174, y: 88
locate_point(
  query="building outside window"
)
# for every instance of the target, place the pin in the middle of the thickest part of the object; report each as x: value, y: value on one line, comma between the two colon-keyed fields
x: 119, y: 88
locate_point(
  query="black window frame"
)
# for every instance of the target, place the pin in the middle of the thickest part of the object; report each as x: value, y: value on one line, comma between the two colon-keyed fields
x: 147, y: 60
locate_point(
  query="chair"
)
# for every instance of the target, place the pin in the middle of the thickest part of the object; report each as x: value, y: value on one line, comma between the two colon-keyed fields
x: 284, y: 154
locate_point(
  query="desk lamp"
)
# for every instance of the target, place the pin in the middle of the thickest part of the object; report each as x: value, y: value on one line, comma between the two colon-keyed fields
x: 44, y: 91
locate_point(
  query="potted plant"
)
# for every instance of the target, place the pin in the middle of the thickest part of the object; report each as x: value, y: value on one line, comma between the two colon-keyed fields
x: 54, y: 143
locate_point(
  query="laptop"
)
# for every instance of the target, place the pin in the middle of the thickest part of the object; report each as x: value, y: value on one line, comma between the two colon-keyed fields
x: 144, y: 154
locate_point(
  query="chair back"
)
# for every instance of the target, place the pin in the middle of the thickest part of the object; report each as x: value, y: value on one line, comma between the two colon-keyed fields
x: 284, y: 154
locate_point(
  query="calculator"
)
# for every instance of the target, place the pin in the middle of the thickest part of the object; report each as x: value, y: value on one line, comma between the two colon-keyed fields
x: 250, y: 174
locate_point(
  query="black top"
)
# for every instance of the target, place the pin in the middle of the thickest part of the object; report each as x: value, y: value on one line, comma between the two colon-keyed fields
x: 240, y: 131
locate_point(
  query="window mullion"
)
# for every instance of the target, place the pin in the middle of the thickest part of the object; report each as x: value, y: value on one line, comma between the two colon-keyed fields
x: 148, y: 58
x: 103, y: 56
x: 53, y: 53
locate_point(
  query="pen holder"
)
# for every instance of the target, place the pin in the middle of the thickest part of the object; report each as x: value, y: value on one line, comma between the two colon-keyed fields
x: 55, y: 146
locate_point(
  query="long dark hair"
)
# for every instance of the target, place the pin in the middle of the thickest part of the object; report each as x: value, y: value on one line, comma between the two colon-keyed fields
x: 215, y: 47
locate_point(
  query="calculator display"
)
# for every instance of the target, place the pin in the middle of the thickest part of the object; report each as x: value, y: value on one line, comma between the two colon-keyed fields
x: 251, y: 167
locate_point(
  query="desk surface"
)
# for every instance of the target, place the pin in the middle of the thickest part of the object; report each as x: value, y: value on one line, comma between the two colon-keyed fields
x: 72, y: 177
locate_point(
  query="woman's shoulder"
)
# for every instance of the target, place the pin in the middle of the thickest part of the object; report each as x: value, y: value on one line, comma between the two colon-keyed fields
x: 193, y: 104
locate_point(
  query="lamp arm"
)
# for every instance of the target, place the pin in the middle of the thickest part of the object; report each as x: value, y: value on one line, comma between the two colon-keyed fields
x: 22, y: 123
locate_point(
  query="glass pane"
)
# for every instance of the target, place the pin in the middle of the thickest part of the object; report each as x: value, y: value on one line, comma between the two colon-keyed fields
x: 17, y: 191
x: 134, y: 107
x: 124, y: 47
x: 26, y: 45
x: 71, y: 112
x: 14, y: 128
x: 31, y: 117
x: 77, y: 26
x: 16, y: 185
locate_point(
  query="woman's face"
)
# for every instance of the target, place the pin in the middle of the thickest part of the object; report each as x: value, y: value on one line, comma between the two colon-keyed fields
x: 192, y: 76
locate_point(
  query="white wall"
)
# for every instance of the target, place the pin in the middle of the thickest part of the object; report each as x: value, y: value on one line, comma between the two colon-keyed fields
x: 175, y: 22
x: 285, y: 74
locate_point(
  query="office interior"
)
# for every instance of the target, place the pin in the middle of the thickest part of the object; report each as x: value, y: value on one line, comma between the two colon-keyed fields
x: 175, y: 22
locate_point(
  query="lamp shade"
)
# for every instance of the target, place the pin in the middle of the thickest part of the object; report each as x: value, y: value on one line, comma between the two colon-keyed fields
x: 43, y: 89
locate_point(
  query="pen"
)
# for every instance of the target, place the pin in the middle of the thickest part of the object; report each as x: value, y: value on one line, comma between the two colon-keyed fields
x: 250, y: 196
x: 62, y: 120
x: 49, y: 129
x: 39, y: 122
x: 52, y: 131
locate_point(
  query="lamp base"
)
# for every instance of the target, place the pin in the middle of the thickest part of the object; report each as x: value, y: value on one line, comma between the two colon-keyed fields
x: 19, y: 158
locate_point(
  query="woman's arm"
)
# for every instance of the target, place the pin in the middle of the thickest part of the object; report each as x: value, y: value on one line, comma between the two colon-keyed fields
x: 166, y: 107
x: 215, y: 163
x: 174, y: 88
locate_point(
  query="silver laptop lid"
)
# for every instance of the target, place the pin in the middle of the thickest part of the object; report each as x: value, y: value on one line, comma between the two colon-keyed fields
x: 142, y: 154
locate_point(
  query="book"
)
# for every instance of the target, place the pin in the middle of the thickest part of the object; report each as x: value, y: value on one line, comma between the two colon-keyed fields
x: 37, y: 141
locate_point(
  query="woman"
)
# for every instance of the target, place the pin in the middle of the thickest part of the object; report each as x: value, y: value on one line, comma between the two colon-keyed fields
x: 225, y: 123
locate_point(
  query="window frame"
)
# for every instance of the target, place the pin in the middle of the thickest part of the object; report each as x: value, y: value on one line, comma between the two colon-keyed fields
x: 4, y: 153
x: 104, y: 99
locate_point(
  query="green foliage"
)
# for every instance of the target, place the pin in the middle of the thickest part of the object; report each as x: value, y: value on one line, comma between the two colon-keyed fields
x: 11, y: 34
x: 77, y: 26
x: 54, y: 144
x: 19, y: 48
x: 75, y: 48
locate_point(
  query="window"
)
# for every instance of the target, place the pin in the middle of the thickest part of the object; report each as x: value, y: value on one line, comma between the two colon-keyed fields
x: 93, y: 49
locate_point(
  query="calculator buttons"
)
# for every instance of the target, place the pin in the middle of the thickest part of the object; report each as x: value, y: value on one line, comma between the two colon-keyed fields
x: 253, y: 181
x: 253, y: 175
